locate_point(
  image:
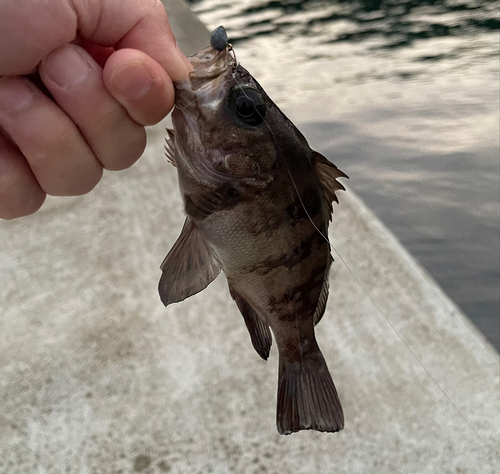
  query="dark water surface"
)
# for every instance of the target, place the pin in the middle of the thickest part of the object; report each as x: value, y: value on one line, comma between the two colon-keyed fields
x: 404, y: 97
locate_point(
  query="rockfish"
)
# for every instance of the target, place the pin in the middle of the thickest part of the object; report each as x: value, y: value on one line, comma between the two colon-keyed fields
x: 258, y: 202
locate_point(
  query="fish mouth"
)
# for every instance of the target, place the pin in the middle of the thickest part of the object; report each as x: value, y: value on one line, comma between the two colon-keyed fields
x: 210, y: 63
x: 212, y: 69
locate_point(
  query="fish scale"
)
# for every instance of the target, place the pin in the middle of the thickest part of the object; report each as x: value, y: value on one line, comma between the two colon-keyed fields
x: 258, y: 202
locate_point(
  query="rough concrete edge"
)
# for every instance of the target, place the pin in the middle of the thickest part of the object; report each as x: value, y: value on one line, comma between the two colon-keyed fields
x: 193, y: 34
x: 386, y: 234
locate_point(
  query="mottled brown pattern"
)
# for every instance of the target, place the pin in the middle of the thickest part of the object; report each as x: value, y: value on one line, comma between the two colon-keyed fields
x: 252, y: 189
x: 289, y: 258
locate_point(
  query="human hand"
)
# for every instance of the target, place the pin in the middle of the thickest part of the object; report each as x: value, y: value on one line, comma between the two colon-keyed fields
x: 109, y: 66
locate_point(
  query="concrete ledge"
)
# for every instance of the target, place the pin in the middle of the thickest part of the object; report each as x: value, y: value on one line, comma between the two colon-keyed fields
x: 96, y: 376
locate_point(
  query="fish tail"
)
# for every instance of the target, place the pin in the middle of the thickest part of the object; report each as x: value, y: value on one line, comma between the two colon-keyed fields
x: 307, y: 398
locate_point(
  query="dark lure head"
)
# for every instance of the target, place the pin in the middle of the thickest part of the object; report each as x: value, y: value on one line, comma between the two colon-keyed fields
x: 219, y: 40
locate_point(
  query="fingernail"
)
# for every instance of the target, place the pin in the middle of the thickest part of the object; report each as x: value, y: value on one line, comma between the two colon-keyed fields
x: 15, y: 95
x: 67, y: 67
x: 132, y: 81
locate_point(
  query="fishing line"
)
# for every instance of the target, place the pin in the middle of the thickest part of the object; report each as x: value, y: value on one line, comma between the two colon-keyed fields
x: 382, y: 313
x: 366, y: 291
x: 304, y: 207
x: 407, y: 346
x: 286, y: 167
x: 356, y: 278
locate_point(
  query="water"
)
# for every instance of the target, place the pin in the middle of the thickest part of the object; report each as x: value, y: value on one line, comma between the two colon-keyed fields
x: 404, y: 97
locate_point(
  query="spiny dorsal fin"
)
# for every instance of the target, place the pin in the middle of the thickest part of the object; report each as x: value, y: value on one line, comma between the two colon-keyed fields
x: 328, y: 174
x: 170, y: 146
x: 260, y: 334
x: 190, y: 266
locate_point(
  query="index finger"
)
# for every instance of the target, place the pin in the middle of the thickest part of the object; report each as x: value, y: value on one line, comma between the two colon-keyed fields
x: 153, y: 36
x: 143, y: 26
x: 31, y: 30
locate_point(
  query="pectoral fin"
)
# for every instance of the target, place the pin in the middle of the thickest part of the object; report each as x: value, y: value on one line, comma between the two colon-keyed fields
x: 190, y: 266
x: 260, y: 334
x: 202, y: 205
x: 328, y: 174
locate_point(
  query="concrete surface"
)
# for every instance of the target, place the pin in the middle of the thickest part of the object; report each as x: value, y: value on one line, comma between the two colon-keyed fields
x: 97, y: 377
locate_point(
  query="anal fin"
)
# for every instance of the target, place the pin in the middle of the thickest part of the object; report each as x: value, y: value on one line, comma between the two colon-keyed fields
x: 323, y: 296
x: 260, y: 334
x: 189, y: 267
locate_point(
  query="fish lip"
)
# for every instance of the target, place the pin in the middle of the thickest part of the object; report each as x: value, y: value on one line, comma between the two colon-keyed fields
x: 212, y: 70
x: 208, y: 64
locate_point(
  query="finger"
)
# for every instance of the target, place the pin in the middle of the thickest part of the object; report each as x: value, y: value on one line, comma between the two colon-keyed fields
x: 143, y: 26
x: 31, y: 30
x: 20, y: 193
x: 153, y: 36
x: 100, y: 54
x: 140, y: 84
x: 75, y: 81
x: 58, y: 155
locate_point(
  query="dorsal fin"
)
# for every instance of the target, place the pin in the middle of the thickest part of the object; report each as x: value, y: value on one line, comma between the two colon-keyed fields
x: 189, y: 267
x: 260, y: 334
x: 328, y: 174
x: 170, y: 146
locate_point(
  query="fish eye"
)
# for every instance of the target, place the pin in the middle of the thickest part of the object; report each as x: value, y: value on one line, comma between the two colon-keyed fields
x: 249, y: 105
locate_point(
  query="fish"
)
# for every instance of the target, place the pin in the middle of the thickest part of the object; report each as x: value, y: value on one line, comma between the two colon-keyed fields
x: 259, y: 202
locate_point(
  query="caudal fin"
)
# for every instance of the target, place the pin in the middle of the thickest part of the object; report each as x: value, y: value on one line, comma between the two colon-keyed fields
x: 307, y: 398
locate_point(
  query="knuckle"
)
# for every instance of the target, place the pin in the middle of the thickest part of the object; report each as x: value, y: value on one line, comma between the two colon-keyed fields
x: 46, y: 144
x: 63, y: 162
